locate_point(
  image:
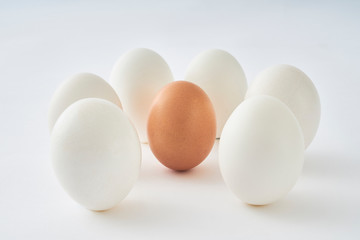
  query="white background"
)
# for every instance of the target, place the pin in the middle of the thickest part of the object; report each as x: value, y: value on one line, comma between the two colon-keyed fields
x: 42, y: 43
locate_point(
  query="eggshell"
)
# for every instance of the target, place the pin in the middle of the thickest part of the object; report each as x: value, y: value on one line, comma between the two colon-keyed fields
x: 181, y: 125
x: 96, y: 153
x: 261, y: 150
x: 79, y: 86
x: 220, y: 75
x: 137, y: 77
x: 296, y: 90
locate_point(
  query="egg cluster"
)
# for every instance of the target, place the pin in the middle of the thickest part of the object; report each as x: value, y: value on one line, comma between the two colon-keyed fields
x: 96, y: 128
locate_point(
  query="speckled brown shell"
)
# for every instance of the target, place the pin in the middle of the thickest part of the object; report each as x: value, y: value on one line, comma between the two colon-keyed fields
x: 181, y: 126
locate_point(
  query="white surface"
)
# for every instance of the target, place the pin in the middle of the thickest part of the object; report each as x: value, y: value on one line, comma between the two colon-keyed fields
x: 43, y: 43
x: 221, y: 76
x: 76, y: 87
x: 294, y: 88
x: 137, y: 77
x: 95, y: 153
x: 261, y: 150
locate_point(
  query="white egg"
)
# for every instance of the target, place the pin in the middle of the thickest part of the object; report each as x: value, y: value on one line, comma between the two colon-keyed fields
x: 220, y: 75
x: 96, y: 153
x: 137, y: 77
x: 261, y: 151
x: 79, y: 86
x: 296, y: 90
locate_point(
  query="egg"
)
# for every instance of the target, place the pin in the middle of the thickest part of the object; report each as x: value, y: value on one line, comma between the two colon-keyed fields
x: 137, y: 77
x: 181, y: 125
x: 261, y: 150
x: 294, y: 88
x: 220, y: 75
x: 79, y: 86
x: 96, y: 153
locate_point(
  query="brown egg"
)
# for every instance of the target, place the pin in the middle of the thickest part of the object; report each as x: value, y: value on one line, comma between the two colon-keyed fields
x: 181, y: 126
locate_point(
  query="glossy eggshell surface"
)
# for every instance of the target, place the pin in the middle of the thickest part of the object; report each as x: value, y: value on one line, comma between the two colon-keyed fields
x: 261, y: 150
x: 137, y: 77
x: 181, y: 125
x: 294, y: 88
x: 221, y: 76
x: 76, y: 87
x: 96, y: 153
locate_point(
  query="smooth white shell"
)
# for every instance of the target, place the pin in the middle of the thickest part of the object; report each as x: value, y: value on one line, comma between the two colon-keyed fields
x: 220, y: 75
x: 137, y: 77
x: 296, y: 90
x: 79, y: 86
x: 261, y: 150
x: 96, y: 153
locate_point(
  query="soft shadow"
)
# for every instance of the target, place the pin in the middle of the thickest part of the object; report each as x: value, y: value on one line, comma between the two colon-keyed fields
x: 206, y: 172
x: 302, y: 208
x: 329, y: 165
x: 305, y: 204
x: 140, y: 214
x: 320, y: 202
x: 127, y: 209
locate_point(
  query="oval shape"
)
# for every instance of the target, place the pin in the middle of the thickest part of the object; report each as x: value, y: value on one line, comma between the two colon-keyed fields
x: 137, y: 77
x: 79, y: 86
x: 221, y: 76
x: 181, y: 126
x: 261, y: 150
x: 96, y: 153
x: 296, y: 90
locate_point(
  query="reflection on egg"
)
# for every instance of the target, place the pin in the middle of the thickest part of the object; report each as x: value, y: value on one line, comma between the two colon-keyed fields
x: 181, y: 125
x: 220, y: 75
x: 137, y: 77
x: 79, y: 86
x: 261, y: 150
x: 296, y: 90
x: 96, y: 153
